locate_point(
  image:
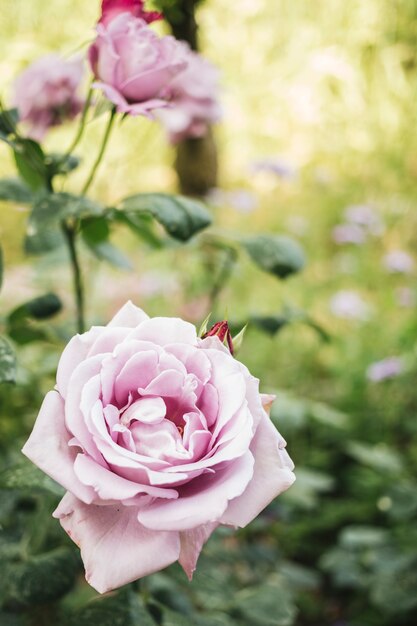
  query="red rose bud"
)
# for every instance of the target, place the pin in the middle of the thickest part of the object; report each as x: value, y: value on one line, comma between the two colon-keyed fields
x: 222, y: 331
x: 111, y: 8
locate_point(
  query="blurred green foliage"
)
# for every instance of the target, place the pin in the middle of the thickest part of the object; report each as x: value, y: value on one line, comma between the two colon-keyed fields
x: 330, y: 87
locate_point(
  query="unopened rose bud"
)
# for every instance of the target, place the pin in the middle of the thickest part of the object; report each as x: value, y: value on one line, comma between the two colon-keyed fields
x: 112, y: 8
x: 222, y: 331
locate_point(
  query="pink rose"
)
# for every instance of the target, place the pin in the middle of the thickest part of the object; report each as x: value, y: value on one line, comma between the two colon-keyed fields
x: 193, y: 100
x: 111, y: 8
x: 158, y: 437
x: 134, y: 66
x: 46, y: 94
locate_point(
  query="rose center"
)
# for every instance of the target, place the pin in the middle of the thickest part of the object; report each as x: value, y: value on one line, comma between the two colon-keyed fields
x: 149, y: 410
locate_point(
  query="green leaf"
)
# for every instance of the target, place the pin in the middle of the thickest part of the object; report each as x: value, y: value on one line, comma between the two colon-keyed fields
x: 172, y: 618
x: 44, y: 226
x: 19, y: 321
x: 27, y: 477
x: 54, y: 207
x: 270, y: 324
x: 141, y: 224
x: 298, y: 576
x: 42, y: 241
x: 8, y: 121
x: 26, y: 333
x: 345, y: 568
x: 107, y: 252
x: 7, y: 362
x: 288, y: 412
x: 30, y: 162
x: 277, y: 254
x: 269, y: 604
x: 328, y: 415
x: 203, y: 328
x: 41, y: 579
x: 360, y: 537
x: 15, y: 190
x: 61, y: 164
x: 96, y: 232
x: 310, y: 483
x: 181, y: 217
x: 122, y: 609
x: 380, y: 457
x: 13, y: 619
x: 40, y: 308
x: 394, y: 589
x: 1, y: 267
x: 318, y: 328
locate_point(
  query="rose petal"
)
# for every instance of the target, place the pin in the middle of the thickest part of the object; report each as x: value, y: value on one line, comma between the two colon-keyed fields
x: 165, y: 330
x: 110, y: 486
x: 139, y: 371
x: 115, y: 548
x: 107, y: 340
x: 48, y: 447
x: 74, y: 417
x: 128, y: 316
x: 272, y: 475
x: 74, y: 353
x: 200, y: 502
x: 192, y: 542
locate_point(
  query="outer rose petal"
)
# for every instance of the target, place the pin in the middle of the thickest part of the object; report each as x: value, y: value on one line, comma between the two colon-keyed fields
x: 48, y: 447
x: 272, y: 475
x: 205, y: 503
x: 115, y: 548
x: 166, y: 330
x: 192, y: 542
x: 129, y: 316
x: 74, y: 353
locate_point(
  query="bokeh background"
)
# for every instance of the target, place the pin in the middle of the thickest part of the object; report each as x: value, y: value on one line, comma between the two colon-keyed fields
x: 318, y: 141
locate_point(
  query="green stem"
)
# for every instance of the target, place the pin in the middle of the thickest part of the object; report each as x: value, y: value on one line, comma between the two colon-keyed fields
x: 69, y: 231
x: 81, y: 126
x: 101, y: 152
x: 223, y: 277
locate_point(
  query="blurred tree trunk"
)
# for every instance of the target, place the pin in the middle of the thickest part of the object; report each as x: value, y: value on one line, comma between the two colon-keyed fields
x: 183, y: 23
x: 196, y: 162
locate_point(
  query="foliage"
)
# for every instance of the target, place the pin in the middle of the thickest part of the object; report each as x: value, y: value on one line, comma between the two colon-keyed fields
x: 339, y: 548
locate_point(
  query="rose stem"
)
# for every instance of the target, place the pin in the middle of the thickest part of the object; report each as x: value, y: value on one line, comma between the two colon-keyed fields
x: 69, y: 231
x: 81, y: 126
x: 101, y: 153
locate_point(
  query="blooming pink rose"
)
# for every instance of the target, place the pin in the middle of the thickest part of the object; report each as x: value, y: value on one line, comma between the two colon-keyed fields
x: 46, y: 93
x: 133, y: 65
x: 158, y: 436
x: 111, y: 8
x: 193, y: 100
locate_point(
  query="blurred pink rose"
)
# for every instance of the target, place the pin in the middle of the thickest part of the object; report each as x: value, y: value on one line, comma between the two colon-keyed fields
x: 46, y: 93
x: 194, y: 100
x: 111, y: 8
x: 159, y: 437
x: 133, y: 65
